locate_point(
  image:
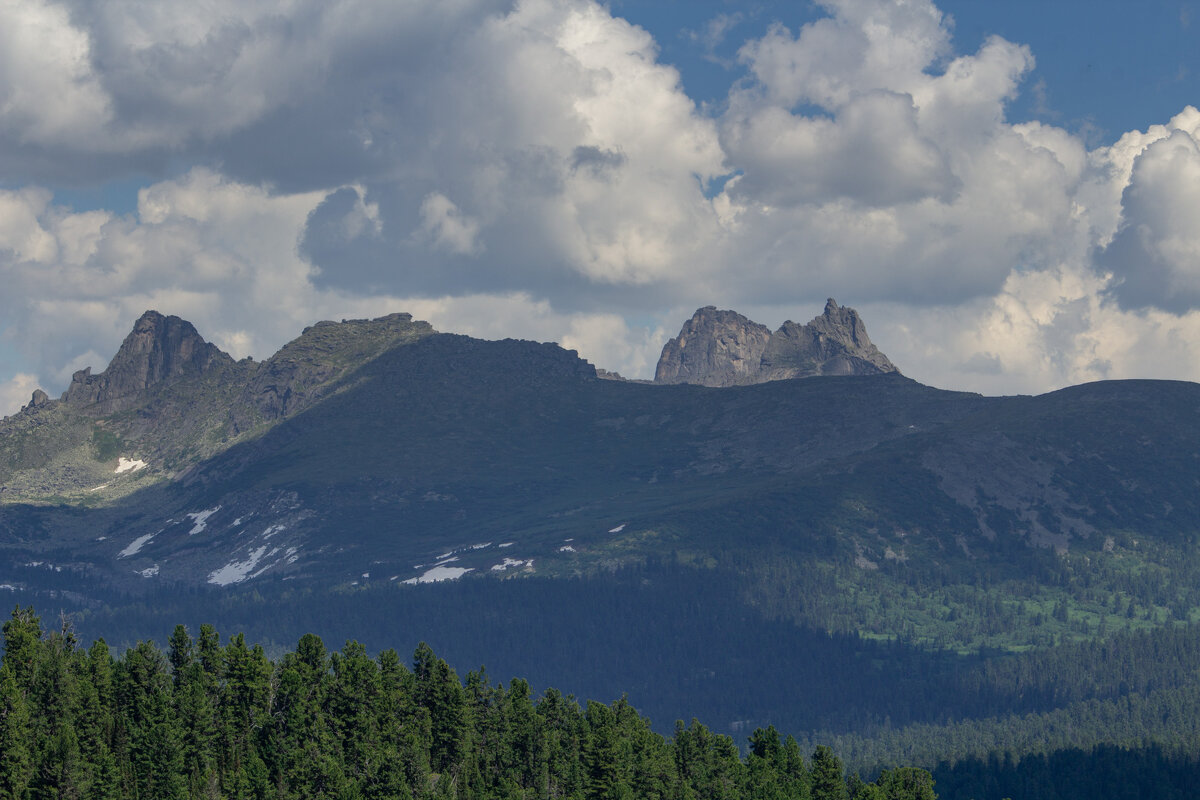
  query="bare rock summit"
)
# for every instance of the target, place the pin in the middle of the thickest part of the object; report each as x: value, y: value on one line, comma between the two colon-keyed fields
x: 723, y: 348
x: 714, y: 348
x: 158, y: 350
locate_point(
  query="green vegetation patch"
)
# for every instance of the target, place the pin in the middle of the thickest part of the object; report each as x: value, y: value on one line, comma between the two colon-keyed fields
x: 106, y: 445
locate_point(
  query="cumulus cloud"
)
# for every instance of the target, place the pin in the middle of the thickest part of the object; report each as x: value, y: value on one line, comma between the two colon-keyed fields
x: 448, y: 227
x: 872, y: 153
x: 1043, y: 331
x: 1155, y: 252
x: 874, y: 161
x: 531, y: 168
x: 16, y: 392
x: 48, y: 90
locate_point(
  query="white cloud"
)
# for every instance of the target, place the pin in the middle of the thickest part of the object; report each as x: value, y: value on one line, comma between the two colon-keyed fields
x: 872, y: 153
x: 448, y: 227
x: 16, y: 392
x: 1155, y: 252
x: 530, y: 168
x: 897, y: 180
x: 1045, y: 330
x: 48, y: 90
x: 861, y: 44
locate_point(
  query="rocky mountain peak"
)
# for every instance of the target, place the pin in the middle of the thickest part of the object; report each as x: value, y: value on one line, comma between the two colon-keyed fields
x: 714, y: 348
x: 843, y: 324
x: 160, y: 349
x: 723, y: 348
x: 308, y: 368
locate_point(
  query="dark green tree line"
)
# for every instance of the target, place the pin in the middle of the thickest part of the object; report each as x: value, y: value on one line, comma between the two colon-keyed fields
x: 206, y: 720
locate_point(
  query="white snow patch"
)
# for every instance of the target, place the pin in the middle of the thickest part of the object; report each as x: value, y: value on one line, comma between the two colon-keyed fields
x: 509, y: 563
x: 366, y: 575
x: 98, y: 488
x: 137, y: 544
x: 506, y: 544
x: 568, y: 540
x: 101, y: 538
x: 443, y: 560
x: 566, y: 548
x: 237, y: 571
x: 149, y: 572
x: 236, y: 522
x: 290, y: 556
x: 266, y: 567
x: 619, y: 528
x: 129, y: 465
x: 201, y: 519
x: 440, y: 573
x: 446, y: 554
x: 481, y: 546
x: 8, y: 586
x: 272, y: 530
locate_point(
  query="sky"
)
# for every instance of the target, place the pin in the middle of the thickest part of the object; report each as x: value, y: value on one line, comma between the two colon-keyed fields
x: 1009, y: 193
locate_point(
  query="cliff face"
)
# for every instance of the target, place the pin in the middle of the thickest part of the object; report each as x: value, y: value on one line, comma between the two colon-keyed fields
x: 158, y: 350
x: 715, y: 348
x: 723, y: 348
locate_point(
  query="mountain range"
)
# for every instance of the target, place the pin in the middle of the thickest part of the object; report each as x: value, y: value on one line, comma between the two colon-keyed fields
x: 431, y: 441
x: 769, y: 492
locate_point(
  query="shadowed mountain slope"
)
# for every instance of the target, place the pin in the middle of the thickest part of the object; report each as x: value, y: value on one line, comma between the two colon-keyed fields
x: 381, y: 448
x: 601, y: 534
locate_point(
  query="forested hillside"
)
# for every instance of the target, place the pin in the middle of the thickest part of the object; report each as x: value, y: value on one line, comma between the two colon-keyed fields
x: 916, y: 577
x: 207, y: 720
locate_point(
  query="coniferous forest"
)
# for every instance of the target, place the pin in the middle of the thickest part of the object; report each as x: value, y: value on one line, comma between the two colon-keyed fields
x: 212, y: 720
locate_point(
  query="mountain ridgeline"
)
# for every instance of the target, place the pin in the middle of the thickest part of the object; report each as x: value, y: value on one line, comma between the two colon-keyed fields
x: 371, y: 446
x: 787, y: 495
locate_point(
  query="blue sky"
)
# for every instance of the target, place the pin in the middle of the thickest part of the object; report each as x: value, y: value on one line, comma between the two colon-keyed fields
x: 1008, y: 192
x: 1103, y: 67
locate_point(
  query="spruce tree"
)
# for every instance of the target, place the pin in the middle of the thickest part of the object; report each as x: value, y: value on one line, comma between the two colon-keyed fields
x: 15, y: 733
x: 828, y: 776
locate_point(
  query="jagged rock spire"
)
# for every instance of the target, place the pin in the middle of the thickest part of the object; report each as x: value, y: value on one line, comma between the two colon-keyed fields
x: 723, y: 348
x: 158, y: 350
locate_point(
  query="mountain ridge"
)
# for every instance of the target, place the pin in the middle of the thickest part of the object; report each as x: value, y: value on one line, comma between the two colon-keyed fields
x: 383, y: 447
x: 769, y: 546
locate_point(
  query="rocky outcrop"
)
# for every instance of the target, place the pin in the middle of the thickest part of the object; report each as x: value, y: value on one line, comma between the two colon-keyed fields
x: 309, y: 367
x: 714, y: 348
x: 723, y: 348
x: 39, y: 399
x: 158, y: 351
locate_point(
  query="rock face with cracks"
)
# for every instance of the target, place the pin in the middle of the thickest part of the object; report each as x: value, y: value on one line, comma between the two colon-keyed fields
x: 714, y: 348
x: 158, y: 350
x: 723, y: 348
